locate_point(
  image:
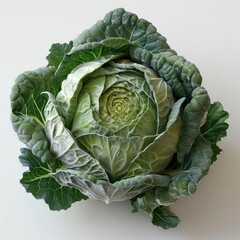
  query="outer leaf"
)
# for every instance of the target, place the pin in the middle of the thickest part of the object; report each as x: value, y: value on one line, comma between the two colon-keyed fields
x: 31, y: 133
x: 153, y: 50
x: 27, y: 106
x: 215, y: 126
x: 123, y: 24
x: 161, y: 215
x: 193, y: 117
x: 181, y: 75
x: 185, y: 182
x: 216, y: 150
x: 39, y: 181
x: 57, y: 52
x: 162, y: 63
x: 63, y: 145
x: 86, y: 53
x: 164, y: 217
x: 105, y: 191
x: 145, y: 203
x: 26, y: 98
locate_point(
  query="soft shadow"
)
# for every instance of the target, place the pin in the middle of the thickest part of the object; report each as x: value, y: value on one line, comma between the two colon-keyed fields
x: 213, y: 211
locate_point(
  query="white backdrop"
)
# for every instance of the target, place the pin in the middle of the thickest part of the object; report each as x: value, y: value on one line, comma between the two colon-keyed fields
x: 206, y: 33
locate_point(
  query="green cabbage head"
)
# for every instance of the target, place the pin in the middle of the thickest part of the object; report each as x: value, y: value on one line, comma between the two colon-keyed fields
x: 116, y: 115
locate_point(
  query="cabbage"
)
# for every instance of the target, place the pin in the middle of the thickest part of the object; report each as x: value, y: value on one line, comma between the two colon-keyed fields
x: 116, y: 115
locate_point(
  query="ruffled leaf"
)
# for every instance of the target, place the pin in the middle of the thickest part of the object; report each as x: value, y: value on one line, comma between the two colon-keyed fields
x: 215, y: 127
x: 183, y: 183
x: 193, y: 117
x: 122, y: 24
x: 161, y: 216
x: 57, y: 52
x: 26, y: 98
x: 164, y: 217
x: 31, y: 133
x: 64, y: 146
x: 40, y: 182
x: 121, y: 190
x: 27, y: 110
x: 86, y: 53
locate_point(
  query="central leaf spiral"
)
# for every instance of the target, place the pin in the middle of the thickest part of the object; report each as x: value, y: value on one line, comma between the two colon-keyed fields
x: 119, y: 106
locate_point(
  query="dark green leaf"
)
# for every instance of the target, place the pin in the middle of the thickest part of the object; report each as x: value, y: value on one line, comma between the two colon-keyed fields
x: 57, y: 52
x: 179, y: 73
x: 31, y: 133
x: 145, y: 202
x: 163, y: 217
x: 26, y: 97
x: 215, y: 127
x: 216, y: 150
x: 42, y: 185
x: 122, y: 24
x: 28, y: 104
x: 82, y: 54
x: 193, y: 116
x: 184, y: 182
